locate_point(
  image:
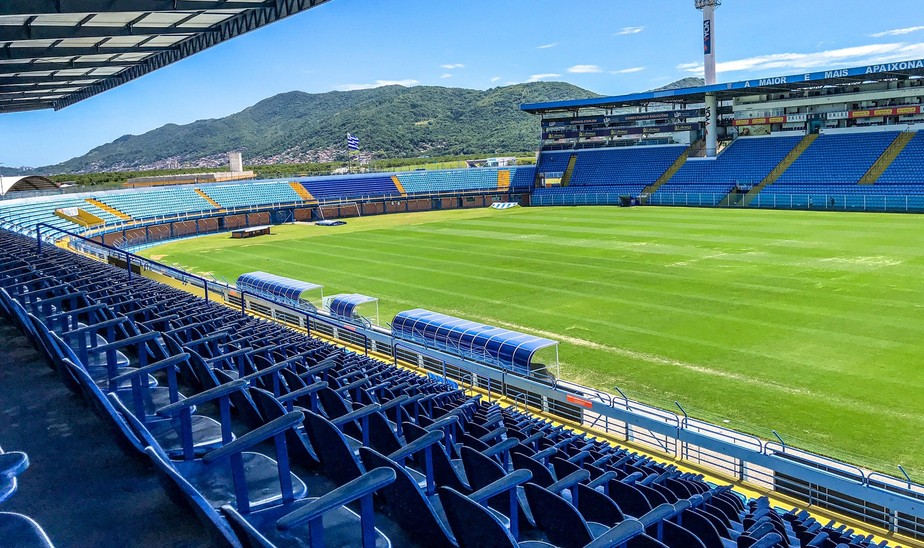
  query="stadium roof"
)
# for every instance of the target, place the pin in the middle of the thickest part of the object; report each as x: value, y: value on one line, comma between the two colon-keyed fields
x: 856, y: 75
x: 54, y: 53
x: 29, y: 182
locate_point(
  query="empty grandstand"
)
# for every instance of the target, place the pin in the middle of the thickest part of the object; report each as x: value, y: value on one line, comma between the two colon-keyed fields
x: 117, y: 213
x: 820, y: 140
x: 248, y: 414
x: 120, y: 341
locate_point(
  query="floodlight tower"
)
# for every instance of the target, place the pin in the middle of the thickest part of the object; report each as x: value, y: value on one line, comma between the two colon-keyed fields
x: 712, y: 111
x: 708, y: 8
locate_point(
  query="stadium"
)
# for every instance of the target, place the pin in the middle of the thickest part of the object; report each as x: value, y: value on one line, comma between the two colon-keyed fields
x: 693, y: 322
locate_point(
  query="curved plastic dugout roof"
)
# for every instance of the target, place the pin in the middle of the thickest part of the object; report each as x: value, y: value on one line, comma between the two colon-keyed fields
x: 278, y: 286
x: 345, y: 305
x: 493, y: 345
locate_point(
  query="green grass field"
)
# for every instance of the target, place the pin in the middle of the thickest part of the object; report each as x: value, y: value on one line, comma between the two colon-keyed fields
x: 804, y: 322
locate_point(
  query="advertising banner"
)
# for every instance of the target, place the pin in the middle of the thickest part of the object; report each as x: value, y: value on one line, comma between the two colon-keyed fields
x: 620, y: 132
x: 625, y: 118
x: 877, y: 112
x: 761, y: 121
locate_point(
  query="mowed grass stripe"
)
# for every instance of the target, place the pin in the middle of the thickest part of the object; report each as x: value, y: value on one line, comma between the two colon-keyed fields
x: 804, y: 334
x: 594, y: 271
x: 791, y: 363
x: 567, y: 253
x: 491, y: 303
x: 549, y: 281
x: 683, y: 254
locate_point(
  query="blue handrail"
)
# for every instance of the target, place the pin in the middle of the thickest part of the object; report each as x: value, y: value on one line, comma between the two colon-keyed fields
x: 183, y: 275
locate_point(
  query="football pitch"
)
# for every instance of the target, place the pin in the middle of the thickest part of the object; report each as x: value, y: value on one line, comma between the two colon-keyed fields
x: 807, y: 323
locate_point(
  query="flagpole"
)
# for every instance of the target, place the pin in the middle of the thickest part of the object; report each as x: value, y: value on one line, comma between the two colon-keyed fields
x: 349, y: 156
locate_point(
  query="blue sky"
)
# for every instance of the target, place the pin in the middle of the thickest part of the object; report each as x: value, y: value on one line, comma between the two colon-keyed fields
x: 608, y: 46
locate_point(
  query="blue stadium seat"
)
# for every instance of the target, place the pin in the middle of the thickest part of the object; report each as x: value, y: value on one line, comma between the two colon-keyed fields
x: 746, y: 161
x: 16, y: 529
x: 245, y: 195
x: 462, y: 180
x: 408, y: 433
x: 838, y: 159
x: 350, y: 187
x: 632, y: 167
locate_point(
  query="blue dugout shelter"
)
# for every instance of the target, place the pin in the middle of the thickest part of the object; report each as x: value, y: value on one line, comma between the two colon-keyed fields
x: 347, y: 307
x: 482, y: 343
x: 277, y: 288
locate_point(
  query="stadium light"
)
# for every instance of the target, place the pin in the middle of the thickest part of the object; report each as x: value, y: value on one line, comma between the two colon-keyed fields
x: 708, y: 8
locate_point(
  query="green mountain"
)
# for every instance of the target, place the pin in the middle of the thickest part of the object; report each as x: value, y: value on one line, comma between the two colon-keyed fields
x: 392, y: 121
x: 688, y: 82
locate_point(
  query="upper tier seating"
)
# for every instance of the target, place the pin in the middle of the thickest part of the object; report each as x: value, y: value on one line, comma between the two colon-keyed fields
x: 256, y: 194
x: 349, y: 187
x: 166, y: 202
x: 317, y: 428
x: 747, y: 161
x: 640, y: 165
x: 838, y: 159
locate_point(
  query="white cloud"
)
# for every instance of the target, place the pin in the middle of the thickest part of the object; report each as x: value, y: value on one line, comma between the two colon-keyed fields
x: 693, y: 68
x: 584, y: 69
x: 547, y: 46
x: 630, y: 30
x: 452, y: 66
x: 896, y: 32
x: 378, y: 84
x: 629, y: 70
x: 447, y: 75
x: 537, y: 77
x: 856, y: 55
x: 496, y: 79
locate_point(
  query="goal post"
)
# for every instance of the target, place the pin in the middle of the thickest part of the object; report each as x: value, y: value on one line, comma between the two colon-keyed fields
x: 350, y: 208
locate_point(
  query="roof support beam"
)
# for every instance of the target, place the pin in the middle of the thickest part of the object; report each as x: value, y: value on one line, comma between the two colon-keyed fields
x: 25, y: 106
x: 17, y: 54
x: 9, y: 68
x: 7, y: 102
x: 40, y: 7
x: 21, y: 53
x: 37, y: 88
x: 10, y: 33
x: 31, y: 92
x: 239, y: 24
x: 53, y: 78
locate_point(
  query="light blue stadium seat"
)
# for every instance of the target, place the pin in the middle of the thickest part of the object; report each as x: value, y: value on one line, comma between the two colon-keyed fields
x: 252, y: 194
x: 463, y: 180
x: 166, y: 202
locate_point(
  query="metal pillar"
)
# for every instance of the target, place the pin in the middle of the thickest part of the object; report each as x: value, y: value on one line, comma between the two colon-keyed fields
x: 712, y: 124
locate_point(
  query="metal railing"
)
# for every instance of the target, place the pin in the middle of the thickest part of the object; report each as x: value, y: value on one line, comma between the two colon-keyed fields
x: 817, y: 201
